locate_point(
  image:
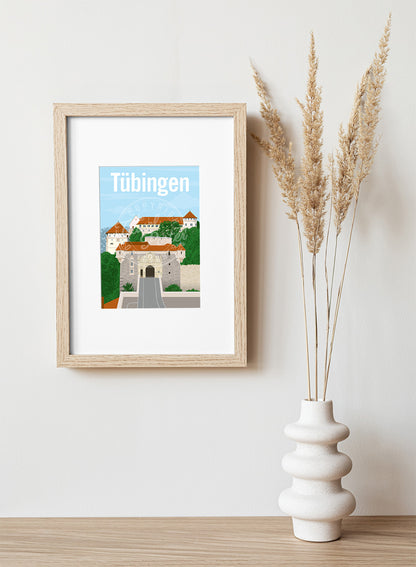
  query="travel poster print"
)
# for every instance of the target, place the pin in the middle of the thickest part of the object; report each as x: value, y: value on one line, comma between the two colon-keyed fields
x: 150, y: 251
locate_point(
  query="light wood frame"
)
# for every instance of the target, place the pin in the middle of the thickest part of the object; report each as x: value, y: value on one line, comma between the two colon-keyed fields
x: 61, y: 114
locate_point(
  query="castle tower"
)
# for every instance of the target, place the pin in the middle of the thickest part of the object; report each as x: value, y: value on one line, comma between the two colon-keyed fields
x: 115, y: 236
x: 189, y: 220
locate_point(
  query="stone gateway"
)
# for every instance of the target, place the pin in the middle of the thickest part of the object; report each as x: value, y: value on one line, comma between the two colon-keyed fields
x: 156, y: 257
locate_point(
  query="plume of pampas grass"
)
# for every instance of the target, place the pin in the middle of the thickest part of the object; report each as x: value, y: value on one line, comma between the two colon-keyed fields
x: 306, y: 195
x: 278, y: 150
x: 313, y: 182
x: 344, y: 184
x: 369, y: 112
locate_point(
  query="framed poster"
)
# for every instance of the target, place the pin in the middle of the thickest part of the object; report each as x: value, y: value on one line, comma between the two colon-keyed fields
x: 150, y: 234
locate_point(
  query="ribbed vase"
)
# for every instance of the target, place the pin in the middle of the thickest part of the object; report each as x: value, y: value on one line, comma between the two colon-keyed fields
x: 316, y: 501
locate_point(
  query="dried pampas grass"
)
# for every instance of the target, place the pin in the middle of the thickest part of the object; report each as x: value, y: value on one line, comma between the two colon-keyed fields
x: 313, y: 181
x: 306, y: 195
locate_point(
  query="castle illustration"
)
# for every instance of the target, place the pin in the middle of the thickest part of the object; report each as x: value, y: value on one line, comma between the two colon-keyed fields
x: 156, y: 257
x: 117, y: 234
x: 150, y: 224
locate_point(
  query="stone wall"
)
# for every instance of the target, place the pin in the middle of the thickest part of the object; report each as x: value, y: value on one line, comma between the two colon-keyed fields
x: 190, y: 277
x: 158, y: 240
x: 171, y: 271
x: 125, y: 275
x: 166, y: 265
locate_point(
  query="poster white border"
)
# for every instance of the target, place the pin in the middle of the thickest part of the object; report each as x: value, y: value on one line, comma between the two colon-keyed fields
x: 149, y: 140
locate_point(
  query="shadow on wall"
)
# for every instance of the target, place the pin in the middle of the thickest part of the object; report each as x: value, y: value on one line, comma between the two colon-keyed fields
x: 258, y: 195
x: 262, y: 191
x: 257, y: 171
x: 379, y: 473
x: 383, y: 199
x: 256, y: 207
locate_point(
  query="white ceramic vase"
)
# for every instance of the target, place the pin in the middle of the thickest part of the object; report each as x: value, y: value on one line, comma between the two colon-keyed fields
x: 316, y: 501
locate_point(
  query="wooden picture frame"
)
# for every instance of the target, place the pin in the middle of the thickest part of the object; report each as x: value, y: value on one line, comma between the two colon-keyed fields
x: 66, y: 357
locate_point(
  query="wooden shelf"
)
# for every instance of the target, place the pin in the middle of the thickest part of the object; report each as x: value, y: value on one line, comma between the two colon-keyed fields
x: 249, y: 541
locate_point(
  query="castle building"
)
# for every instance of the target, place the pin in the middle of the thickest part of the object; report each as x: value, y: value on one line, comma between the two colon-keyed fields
x: 115, y: 236
x: 157, y: 257
x: 150, y: 224
x: 189, y: 220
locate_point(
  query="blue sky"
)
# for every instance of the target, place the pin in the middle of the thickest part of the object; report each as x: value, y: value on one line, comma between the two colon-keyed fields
x: 123, y: 206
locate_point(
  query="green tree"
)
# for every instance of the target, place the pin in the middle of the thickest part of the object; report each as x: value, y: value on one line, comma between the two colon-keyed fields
x: 190, y: 241
x: 177, y: 238
x: 110, y: 277
x: 136, y: 235
x: 170, y: 229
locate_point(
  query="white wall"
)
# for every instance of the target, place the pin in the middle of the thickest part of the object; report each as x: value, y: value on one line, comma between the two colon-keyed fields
x: 204, y: 442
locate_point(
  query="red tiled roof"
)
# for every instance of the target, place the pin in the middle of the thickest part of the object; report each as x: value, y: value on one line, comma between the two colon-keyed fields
x: 158, y: 220
x: 146, y: 247
x: 189, y: 215
x: 117, y: 228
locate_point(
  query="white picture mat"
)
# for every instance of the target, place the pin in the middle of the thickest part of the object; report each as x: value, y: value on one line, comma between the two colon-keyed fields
x: 207, y: 142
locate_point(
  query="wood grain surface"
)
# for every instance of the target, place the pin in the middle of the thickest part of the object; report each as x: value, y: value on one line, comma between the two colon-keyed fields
x: 376, y: 541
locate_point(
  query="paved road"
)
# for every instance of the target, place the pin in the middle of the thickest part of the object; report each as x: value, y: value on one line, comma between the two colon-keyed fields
x: 183, y: 302
x: 149, y: 293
